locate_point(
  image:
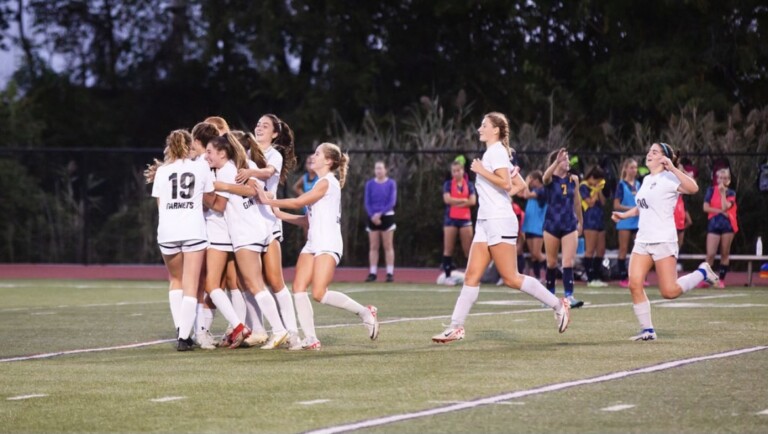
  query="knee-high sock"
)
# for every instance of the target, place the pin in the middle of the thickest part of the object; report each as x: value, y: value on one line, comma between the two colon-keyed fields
x: 253, y: 316
x: 643, y: 314
x: 464, y: 304
x: 568, y: 280
x: 588, y: 268
x: 597, y: 268
x: 269, y: 307
x: 222, y: 302
x: 724, y: 268
x: 187, y: 316
x: 622, y: 263
x: 551, y: 276
x: 343, y: 301
x: 520, y: 263
x: 690, y: 280
x: 238, y: 303
x: 174, y: 300
x: 204, y: 318
x: 305, y: 313
x: 533, y: 287
x: 536, y: 269
x: 285, y: 303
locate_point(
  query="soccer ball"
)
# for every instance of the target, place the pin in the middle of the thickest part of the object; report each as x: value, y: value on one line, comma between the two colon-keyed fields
x: 456, y: 278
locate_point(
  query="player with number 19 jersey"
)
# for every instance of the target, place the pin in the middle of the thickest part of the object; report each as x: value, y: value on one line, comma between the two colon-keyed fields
x: 179, y: 187
x: 656, y: 202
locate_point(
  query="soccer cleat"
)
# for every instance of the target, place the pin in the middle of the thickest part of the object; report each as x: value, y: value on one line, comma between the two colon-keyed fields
x: 721, y: 285
x: 390, y: 277
x: 310, y: 343
x: 206, y: 340
x: 239, y: 334
x: 185, y: 344
x: 575, y: 304
x: 275, y: 340
x: 597, y: 283
x: 449, y: 335
x: 373, y: 328
x: 293, y: 342
x: 645, y: 335
x: 226, y: 339
x: 255, y: 339
x: 710, y: 276
x: 563, y: 318
x: 371, y: 278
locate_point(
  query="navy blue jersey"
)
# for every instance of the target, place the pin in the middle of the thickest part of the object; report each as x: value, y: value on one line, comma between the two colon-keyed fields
x: 560, y: 218
x: 593, y: 215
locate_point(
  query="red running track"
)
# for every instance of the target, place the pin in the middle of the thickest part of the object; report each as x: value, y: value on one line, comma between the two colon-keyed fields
x: 343, y: 274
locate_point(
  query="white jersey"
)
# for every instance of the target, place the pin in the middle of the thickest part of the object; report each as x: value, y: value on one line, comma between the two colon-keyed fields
x: 494, y: 201
x: 274, y: 159
x: 218, y: 233
x: 656, y: 200
x: 245, y: 223
x: 179, y: 186
x: 265, y: 211
x: 324, y: 233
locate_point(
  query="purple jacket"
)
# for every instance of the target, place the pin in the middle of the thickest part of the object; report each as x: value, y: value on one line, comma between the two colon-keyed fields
x: 380, y: 198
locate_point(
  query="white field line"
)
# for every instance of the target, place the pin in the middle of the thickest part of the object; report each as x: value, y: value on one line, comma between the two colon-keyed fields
x: 314, y: 402
x: 332, y: 326
x: 168, y: 399
x: 529, y: 392
x: 63, y: 306
x: 619, y: 407
x: 763, y: 413
x: 22, y: 397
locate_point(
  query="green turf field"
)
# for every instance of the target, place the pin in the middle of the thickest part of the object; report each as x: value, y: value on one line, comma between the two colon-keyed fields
x: 509, y: 374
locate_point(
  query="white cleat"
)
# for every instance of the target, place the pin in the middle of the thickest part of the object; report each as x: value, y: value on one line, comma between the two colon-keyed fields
x: 563, y: 318
x: 256, y: 339
x: 293, y: 342
x: 449, y: 335
x: 373, y: 327
x: 712, y: 277
x: 206, y: 340
x: 597, y: 283
x: 645, y: 335
x: 275, y: 340
x: 310, y: 343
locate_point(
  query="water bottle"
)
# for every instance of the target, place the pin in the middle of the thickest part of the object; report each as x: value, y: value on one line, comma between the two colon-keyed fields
x: 759, y: 246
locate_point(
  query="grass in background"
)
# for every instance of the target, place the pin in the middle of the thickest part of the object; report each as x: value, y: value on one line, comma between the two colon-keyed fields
x: 511, y: 345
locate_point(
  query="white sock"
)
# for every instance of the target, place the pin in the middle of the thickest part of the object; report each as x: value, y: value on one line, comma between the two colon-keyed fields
x: 305, y: 313
x: 464, y: 303
x: 222, y: 302
x: 373, y: 269
x: 253, y: 314
x: 533, y: 287
x: 285, y: 303
x: 187, y: 316
x: 343, y: 301
x: 643, y: 314
x: 174, y: 300
x: 269, y: 307
x: 198, y: 327
x: 689, y: 281
x: 390, y: 269
x: 208, y: 315
x: 238, y: 303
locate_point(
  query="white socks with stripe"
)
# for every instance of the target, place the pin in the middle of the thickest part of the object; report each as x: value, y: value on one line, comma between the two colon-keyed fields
x: 285, y: 303
x: 464, y: 304
x: 222, y: 303
x: 305, y: 313
x: 269, y: 307
x: 174, y: 300
x: 187, y: 316
x: 643, y: 314
x: 533, y: 287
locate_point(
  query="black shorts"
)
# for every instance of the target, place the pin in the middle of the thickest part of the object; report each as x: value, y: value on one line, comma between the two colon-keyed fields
x: 387, y: 224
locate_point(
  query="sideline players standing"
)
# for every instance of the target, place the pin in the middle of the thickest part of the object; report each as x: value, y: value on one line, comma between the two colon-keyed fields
x: 656, y: 241
x: 179, y: 186
x: 624, y: 200
x: 496, y: 231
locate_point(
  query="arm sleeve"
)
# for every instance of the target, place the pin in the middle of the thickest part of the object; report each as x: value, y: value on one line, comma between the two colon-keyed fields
x: 367, y: 199
x: 447, y: 187
x: 472, y: 190
x: 708, y: 195
x: 392, y: 199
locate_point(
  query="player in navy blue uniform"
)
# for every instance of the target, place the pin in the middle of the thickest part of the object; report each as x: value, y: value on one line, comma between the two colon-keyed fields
x: 592, y: 203
x: 562, y: 222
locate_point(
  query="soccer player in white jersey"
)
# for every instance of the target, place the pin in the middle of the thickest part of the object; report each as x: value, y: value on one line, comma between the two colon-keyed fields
x: 496, y: 231
x: 321, y: 254
x: 656, y: 240
x: 179, y: 186
x: 275, y: 139
x: 248, y: 229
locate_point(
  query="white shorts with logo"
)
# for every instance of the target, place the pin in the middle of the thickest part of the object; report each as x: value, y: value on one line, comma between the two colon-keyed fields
x: 174, y: 247
x: 318, y: 250
x: 656, y: 251
x: 495, y: 231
